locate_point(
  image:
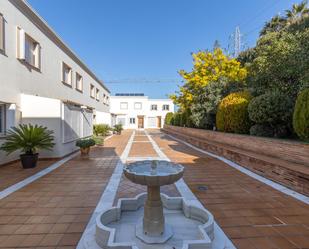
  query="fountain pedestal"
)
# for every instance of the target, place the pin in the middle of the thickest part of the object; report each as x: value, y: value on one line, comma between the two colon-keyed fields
x: 153, y: 228
x: 153, y: 174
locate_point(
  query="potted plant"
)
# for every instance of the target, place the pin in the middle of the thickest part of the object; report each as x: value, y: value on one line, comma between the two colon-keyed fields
x: 118, y: 128
x: 84, y: 145
x: 99, y: 140
x: 100, y: 132
x: 28, y: 139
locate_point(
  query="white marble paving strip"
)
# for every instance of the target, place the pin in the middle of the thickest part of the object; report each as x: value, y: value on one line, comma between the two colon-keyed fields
x: 262, y: 179
x: 186, y: 193
x: 108, y: 196
x: 143, y: 158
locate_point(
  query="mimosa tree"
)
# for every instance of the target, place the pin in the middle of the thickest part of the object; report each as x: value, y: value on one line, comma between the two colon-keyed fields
x: 207, y: 67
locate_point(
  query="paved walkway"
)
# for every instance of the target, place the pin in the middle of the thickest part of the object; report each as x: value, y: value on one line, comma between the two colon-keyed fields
x: 13, y: 173
x: 252, y: 214
x: 53, y: 211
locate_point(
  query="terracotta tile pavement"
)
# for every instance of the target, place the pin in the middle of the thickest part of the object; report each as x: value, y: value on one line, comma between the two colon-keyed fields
x: 53, y: 211
x: 13, y: 173
x: 252, y: 214
x: 142, y: 150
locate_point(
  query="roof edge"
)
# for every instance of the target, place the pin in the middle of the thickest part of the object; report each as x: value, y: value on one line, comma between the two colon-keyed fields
x: 38, y: 21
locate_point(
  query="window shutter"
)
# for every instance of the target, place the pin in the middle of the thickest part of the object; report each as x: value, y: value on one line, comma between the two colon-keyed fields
x: 21, y: 44
x: 1, y: 32
x: 38, y: 62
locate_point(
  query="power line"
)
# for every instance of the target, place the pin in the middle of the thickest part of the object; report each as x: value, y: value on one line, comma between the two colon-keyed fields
x: 262, y: 11
x: 143, y: 81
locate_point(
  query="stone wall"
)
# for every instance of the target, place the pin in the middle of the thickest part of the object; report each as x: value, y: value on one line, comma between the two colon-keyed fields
x: 283, y: 161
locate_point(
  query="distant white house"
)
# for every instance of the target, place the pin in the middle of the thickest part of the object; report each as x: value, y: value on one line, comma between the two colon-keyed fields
x: 42, y: 81
x: 138, y: 111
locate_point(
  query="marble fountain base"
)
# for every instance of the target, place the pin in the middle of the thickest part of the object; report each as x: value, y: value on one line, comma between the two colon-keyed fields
x: 192, y: 227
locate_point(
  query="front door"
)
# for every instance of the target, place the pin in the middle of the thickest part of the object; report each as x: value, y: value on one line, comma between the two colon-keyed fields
x: 140, y: 123
x: 159, y: 121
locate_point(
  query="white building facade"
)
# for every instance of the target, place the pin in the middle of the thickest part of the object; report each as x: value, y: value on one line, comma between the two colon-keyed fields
x: 135, y: 111
x: 42, y: 81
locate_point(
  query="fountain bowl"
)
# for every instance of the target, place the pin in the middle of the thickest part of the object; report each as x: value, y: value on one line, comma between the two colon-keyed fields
x: 143, y: 173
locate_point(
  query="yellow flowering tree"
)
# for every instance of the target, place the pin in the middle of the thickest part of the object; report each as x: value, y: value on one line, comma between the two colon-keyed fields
x: 207, y: 67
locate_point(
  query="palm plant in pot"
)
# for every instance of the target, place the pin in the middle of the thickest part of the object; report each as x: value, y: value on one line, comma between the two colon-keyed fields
x: 84, y: 145
x: 28, y: 139
x: 118, y: 128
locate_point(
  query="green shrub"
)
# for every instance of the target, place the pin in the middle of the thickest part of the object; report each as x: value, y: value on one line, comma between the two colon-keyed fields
x: 271, y: 108
x: 168, y: 118
x: 261, y: 130
x: 98, y: 140
x: 186, y: 118
x: 85, y: 142
x: 28, y: 138
x: 301, y: 115
x: 118, y: 128
x: 173, y: 120
x: 204, y: 106
x: 232, y: 115
x: 177, y: 119
x: 101, y: 130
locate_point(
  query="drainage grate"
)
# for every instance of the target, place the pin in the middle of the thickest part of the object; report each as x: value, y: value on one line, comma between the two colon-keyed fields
x: 202, y: 188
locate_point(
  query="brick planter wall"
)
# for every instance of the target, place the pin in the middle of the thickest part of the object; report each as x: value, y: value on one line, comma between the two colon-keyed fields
x: 286, y: 162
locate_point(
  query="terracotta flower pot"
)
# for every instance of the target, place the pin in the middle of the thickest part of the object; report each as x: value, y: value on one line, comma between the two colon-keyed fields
x: 85, y: 151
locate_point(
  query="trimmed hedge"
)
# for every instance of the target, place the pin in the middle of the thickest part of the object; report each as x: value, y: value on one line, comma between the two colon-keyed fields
x: 168, y: 118
x: 301, y: 115
x: 261, y: 130
x: 272, y: 108
x: 232, y: 115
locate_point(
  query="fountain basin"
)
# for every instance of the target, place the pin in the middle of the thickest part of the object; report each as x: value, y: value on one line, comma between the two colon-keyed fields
x: 193, y: 226
x: 142, y: 173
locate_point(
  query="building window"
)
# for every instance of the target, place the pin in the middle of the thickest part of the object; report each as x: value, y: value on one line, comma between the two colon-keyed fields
x: 124, y: 105
x: 165, y: 107
x: 137, y: 105
x: 97, y: 94
x: 107, y: 100
x: 92, y: 91
x: 79, y: 82
x: 28, y: 49
x: 104, y: 98
x: 153, y: 107
x: 132, y: 120
x: 2, y: 118
x: 2, y: 33
x: 66, y: 74
x: 32, y: 52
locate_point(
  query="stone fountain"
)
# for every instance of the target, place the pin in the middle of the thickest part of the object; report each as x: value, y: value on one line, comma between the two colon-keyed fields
x: 154, y: 175
x: 153, y: 220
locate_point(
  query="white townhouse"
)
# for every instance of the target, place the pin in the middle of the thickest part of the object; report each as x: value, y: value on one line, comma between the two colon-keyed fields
x: 134, y: 110
x: 42, y: 81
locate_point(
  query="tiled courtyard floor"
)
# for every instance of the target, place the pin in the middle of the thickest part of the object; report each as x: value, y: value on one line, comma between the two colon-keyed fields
x: 53, y: 211
x: 252, y: 214
x: 13, y: 172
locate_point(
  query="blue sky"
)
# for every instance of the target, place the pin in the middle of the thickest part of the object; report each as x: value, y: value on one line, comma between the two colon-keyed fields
x: 134, y: 40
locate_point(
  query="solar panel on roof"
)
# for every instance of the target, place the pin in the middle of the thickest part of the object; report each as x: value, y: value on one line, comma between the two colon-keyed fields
x: 129, y: 94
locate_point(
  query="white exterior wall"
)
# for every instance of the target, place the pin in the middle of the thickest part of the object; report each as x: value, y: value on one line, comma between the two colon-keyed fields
x: 146, y: 111
x: 17, y: 79
x: 102, y: 118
